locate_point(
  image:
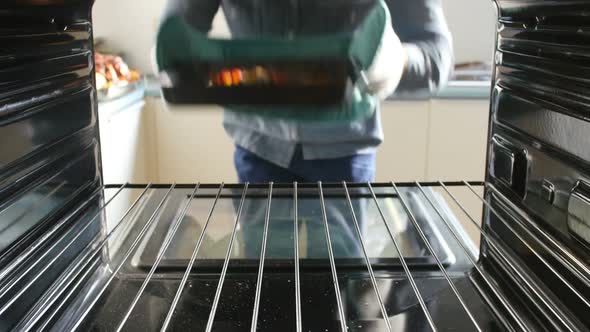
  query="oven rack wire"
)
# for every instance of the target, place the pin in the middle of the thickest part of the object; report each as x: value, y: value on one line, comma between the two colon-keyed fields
x: 62, y: 291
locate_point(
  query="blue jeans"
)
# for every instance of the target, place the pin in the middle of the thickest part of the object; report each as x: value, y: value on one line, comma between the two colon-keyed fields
x: 357, y: 168
x: 345, y: 243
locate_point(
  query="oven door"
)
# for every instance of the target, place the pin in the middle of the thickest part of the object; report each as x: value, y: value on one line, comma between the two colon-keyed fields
x: 49, y: 151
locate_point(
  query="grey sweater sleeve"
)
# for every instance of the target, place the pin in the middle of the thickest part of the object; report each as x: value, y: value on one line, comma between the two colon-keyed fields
x: 422, y: 28
x: 198, y: 13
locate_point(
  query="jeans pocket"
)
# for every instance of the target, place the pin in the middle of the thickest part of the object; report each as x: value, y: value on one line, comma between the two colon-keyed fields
x: 363, y: 168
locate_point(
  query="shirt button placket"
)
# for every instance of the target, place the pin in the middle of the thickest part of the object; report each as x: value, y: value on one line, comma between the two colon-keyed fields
x: 292, y: 19
x: 295, y: 131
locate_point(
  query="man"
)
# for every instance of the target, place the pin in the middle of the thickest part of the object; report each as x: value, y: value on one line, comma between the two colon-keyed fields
x: 415, y: 55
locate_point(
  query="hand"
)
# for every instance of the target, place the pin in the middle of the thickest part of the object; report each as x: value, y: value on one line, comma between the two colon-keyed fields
x: 389, y: 64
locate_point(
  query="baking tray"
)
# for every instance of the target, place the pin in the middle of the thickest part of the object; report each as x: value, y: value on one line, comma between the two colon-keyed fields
x: 188, y: 84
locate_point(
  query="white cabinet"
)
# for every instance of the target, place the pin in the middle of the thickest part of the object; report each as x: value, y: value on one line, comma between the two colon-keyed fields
x: 402, y: 156
x: 424, y: 140
x: 433, y: 140
x: 457, y: 139
x: 125, y: 151
x: 124, y: 143
x: 191, y: 144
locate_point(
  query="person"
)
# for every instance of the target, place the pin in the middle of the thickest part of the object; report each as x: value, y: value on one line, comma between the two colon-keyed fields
x: 415, y: 55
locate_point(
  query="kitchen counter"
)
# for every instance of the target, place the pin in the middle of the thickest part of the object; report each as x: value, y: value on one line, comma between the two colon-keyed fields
x: 126, y: 140
x: 131, y: 99
x: 465, y: 90
x: 459, y: 90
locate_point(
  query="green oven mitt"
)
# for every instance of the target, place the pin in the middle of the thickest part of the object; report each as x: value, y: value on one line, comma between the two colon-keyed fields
x: 178, y: 43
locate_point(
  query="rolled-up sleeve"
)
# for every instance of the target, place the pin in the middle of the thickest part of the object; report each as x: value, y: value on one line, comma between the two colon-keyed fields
x: 197, y: 13
x: 423, y: 30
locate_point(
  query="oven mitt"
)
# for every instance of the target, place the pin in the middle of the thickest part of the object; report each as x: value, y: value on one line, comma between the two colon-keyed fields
x: 178, y: 43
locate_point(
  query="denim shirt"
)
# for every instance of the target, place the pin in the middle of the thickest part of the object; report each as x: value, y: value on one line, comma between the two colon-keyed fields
x: 420, y: 25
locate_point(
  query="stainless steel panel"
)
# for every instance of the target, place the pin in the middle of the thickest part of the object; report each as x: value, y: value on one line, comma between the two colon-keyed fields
x: 49, y: 155
x: 578, y: 220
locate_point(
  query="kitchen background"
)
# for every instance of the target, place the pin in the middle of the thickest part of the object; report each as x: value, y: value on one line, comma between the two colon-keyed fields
x: 425, y: 138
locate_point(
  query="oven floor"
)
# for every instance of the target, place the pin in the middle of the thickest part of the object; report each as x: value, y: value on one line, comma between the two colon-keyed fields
x: 277, y: 304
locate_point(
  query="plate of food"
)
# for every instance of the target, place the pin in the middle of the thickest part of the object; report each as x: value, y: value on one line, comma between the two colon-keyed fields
x: 113, y: 76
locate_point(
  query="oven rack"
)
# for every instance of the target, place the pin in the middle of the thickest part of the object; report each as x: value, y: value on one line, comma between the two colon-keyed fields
x: 62, y: 306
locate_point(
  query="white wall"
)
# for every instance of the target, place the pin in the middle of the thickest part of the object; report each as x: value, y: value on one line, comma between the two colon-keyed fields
x: 131, y: 25
x: 472, y: 23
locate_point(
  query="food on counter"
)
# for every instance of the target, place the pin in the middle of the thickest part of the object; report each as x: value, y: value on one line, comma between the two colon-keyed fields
x: 111, y: 70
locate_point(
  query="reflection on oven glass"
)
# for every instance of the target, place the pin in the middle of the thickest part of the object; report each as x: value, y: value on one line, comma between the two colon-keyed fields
x: 213, y: 221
